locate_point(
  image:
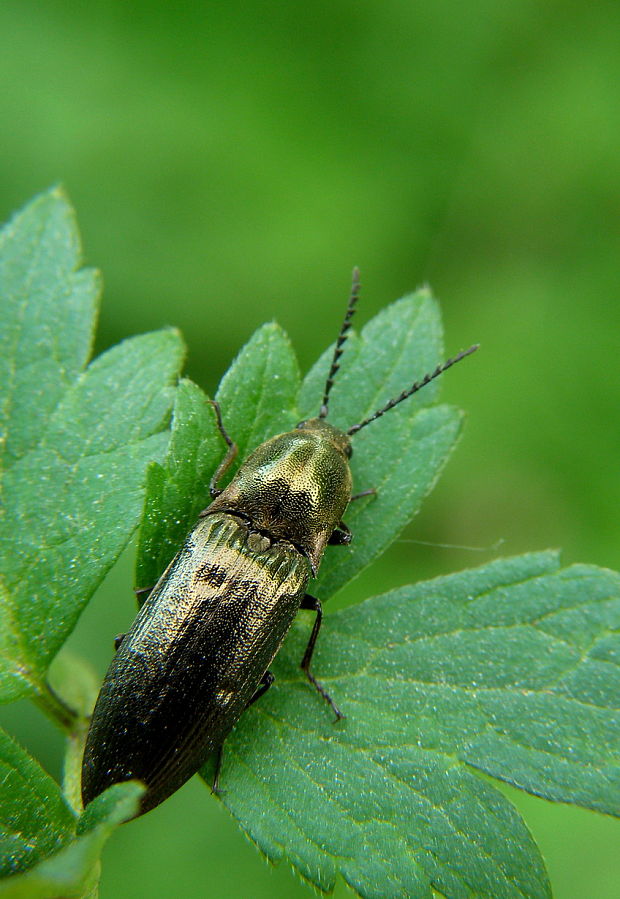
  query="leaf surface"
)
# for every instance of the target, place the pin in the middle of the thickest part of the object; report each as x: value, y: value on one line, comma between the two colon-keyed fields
x: 401, y: 454
x: 178, y: 489
x: 76, y: 440
x: 72, y: 872
x: 258, y: 393
x: 36, y: 820
x: 511, y: 669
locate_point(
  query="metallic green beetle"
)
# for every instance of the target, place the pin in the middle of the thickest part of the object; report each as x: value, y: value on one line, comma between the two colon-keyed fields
x: 198, y: 653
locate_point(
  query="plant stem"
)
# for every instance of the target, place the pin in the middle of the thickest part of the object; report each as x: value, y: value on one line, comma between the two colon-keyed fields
x: 72, y: 767
x: 57, y: 709
x: 75, y: 727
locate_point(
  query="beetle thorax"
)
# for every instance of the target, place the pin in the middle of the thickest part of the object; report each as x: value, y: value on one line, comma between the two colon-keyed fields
x: 294, y: 487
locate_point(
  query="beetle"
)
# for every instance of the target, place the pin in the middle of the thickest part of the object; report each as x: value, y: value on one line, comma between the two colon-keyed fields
x: 199, y: 650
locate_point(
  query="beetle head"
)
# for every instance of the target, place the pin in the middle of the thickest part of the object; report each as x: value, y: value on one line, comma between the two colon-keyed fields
x: 337, y: 438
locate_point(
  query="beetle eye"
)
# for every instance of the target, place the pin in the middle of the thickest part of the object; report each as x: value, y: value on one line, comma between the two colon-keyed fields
x: 348, y: 451
x: 299, y: 425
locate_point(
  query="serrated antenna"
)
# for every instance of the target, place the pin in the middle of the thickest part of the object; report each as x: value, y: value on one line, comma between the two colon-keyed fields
x: 344, y: 332
x: 418, y: 385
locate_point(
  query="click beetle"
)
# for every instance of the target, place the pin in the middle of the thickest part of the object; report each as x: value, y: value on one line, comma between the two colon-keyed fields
x: 199, y: 650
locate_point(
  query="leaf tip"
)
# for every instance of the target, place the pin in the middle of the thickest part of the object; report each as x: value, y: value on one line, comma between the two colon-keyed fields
x: 58, y: 191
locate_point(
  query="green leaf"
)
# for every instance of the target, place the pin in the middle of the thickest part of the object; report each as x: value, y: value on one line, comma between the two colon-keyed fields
x: 116, y: 805
x: 488, y: 669
x: 76, y: 442
x: 74, y: 870
x: 401, y: 454
x: 36, y: 820
x: 48, y: 315
x: 178, y: 490
x: 258, y: 393
x: 257, y: 397
x: 512, y: 668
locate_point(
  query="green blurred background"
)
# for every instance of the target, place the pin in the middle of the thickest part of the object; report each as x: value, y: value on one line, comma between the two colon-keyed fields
x: 230, y: 162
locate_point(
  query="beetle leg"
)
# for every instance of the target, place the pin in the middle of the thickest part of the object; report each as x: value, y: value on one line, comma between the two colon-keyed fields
x: 218, y: 767
x: 264, y: 685
x: 340, y: 536
x: 372, y: 491
x: 139, y: 591
x: 228, y: 459
x: 309, y: 602
x: 118, y: 640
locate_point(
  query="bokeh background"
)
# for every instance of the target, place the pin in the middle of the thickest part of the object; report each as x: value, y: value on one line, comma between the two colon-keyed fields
x: 230, y: 162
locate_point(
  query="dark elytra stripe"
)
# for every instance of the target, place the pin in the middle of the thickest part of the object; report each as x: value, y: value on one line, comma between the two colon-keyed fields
x: 213, y: 575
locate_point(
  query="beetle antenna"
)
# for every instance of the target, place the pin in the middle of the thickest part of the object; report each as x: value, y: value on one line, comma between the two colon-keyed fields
x: 344, y: 333
x: 418, y: 385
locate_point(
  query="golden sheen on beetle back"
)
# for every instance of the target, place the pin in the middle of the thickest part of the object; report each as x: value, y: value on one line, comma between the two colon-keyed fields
x: 295, y: 487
